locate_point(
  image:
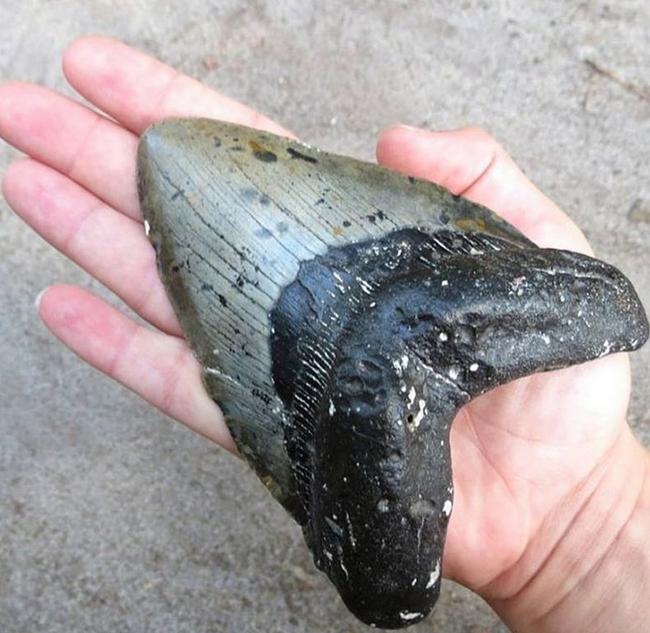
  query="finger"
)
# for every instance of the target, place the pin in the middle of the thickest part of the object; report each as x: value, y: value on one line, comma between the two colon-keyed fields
x: 469, y: 162
x: 88, y: 148
x: 105, y: 243
x: 136, y: 89
x: 159, y: 368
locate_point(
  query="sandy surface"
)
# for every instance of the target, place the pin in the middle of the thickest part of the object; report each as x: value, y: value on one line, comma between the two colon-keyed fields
x: 112, y: 518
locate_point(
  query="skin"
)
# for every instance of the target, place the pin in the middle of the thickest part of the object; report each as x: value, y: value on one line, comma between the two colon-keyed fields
x: 552, y: 497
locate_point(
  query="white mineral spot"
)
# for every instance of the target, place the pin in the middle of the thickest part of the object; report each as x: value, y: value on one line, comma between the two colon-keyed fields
x: 444, y: 282
x: 147, y: 228
x: 475, y: 251
x: 345, y: 571
x: 215, y: 351
x: 446, y: 508
x: 443, y: 336
x: 414, y: 582
x: 473, y: 367
x: 412, y: 395
x: 607, y: 347
x: 546, y: 338
x: 405, y: 361
x: 433, y: 577
x: 329, y: 555
x: 353, y: 541
x: 453, y: 373
x: 407, y: 615
x: 332, y: 408
x: 420, y: 414
x: 372, y: 304
x: 365, y: 286
x: 398, y: 367
x: 382, y: 505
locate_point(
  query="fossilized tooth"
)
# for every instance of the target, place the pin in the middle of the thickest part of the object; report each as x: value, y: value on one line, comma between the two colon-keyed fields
x: 342, y: 314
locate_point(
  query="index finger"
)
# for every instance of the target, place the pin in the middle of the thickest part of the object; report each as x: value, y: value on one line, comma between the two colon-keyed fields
x: 137, y: 89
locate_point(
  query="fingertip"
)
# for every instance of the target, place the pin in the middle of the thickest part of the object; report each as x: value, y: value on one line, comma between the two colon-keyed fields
x: 397, y: 128
x: 397, y: 146
x: 388, y: 138
x: 17, y: 170
x: 10, y: 177
x: 82, y: 48
x: 88, y: 56
x: 61, y: 304
x: 55, y: 305
x: 39, y: 299
x: 454, y: 159
x: 85, y: 45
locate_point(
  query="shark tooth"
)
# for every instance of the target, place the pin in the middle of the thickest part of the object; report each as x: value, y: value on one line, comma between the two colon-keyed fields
x: 342, y: 314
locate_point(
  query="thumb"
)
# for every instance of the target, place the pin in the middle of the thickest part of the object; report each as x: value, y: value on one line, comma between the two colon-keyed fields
x: 471, y: 163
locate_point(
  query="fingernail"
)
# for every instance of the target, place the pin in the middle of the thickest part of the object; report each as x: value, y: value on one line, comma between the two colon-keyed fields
x: 39, y: 297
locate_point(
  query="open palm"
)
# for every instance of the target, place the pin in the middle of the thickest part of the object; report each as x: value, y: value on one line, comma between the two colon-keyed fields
x: 522, y: 453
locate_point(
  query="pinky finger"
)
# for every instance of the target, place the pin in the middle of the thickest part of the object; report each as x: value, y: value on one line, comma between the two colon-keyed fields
x: 158, y: 367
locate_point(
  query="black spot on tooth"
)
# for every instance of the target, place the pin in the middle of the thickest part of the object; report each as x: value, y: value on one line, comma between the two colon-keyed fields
x: 265, y: 156
x: 294, y: 153
x: 262, y: 153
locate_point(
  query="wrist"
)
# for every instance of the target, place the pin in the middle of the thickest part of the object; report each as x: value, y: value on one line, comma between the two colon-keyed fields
x: 588, y: 566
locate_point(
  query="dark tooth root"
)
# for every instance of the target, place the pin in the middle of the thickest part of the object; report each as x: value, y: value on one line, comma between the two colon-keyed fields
x: 375, y: 347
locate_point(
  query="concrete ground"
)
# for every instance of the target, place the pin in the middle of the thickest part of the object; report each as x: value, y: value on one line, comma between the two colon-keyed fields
x: 112, y: 518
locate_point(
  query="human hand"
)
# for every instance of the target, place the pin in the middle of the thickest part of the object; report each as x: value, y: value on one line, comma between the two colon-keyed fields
x: 529, y: 456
